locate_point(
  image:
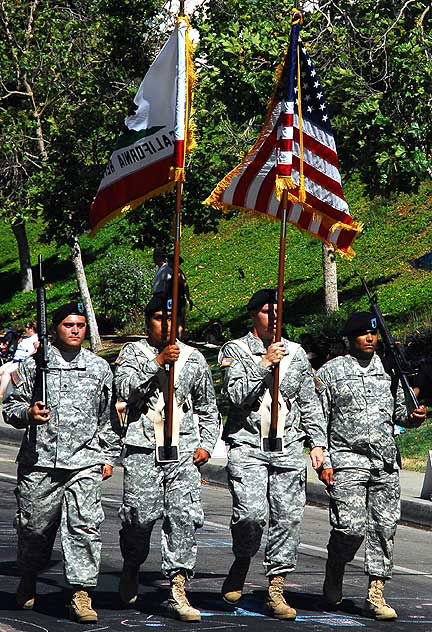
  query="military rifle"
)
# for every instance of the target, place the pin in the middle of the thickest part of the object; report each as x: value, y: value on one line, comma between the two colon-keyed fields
x: 41, y: 356
x: 400, y: 364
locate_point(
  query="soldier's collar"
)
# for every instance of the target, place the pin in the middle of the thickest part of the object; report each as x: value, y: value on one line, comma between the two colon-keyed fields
x: 370, y: 368
x: 256, y: 345
x: 59, y: 361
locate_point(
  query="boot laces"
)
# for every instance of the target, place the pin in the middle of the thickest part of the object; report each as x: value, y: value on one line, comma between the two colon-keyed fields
x: 178, y: 591
x: 82, y: 599
x: 276, y: 587
x: 376, y: 593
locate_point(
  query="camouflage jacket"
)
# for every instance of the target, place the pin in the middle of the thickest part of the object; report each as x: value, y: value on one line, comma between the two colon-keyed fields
x: 136, y: 382
x: 79, y: 433
x: 360, y: 412
x: 244, y: 384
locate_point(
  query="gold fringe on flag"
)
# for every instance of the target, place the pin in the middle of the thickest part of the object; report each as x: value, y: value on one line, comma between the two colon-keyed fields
x: 191, y: 78
x: 282, y: 183
x: 177, y: 174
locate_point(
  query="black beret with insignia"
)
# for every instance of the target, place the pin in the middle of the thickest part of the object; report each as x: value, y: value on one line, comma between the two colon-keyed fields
x: 158, y: 303
x: 66, y: 310
x: 260, y: 298
x: 359, y: 323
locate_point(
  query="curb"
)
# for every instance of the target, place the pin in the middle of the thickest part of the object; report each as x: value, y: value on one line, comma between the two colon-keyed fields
x: 10, y: 435
x: 414, y: 512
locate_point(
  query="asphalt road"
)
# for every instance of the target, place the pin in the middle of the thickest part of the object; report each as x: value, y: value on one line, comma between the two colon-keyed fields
x: 409, y: 592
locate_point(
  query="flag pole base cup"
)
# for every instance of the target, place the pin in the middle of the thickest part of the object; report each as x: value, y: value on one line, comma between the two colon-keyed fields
x: 167, y: 454
x: 272, y: 444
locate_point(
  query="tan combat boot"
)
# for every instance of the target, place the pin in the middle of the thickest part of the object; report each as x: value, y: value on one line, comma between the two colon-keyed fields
x: 178, y: 604
x: 232, y: 587
x: 276, y: 606
x: 375, y: 605
x: 332, y: 587
x: 128, y: 585
x: 81, y: 607
x: 26, y: 592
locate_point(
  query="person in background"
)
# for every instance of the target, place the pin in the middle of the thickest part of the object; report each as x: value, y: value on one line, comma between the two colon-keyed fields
x: 163, y: 273
x: 28, y: 344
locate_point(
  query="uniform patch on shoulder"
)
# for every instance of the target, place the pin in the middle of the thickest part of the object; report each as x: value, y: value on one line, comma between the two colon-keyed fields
x: 120, y: 358
x: 226, y: 361
x: 16, y: 378
x: 319, y: 384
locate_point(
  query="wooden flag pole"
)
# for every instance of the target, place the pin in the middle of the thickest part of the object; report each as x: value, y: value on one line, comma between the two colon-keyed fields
x: 170, y: 452
x: 275, y: 444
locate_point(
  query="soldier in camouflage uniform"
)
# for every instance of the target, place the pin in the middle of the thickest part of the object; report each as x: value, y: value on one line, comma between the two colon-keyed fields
x: 259, y: 478
x: 361, y: 471
x: 153, y: 490
x: 68, y: 448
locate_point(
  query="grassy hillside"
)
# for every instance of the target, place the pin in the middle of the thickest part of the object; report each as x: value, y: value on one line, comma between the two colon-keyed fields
x: 395, y: 232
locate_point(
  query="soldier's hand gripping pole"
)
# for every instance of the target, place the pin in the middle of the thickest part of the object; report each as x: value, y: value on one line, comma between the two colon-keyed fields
x: 398, y: 360
x: 41, y: 357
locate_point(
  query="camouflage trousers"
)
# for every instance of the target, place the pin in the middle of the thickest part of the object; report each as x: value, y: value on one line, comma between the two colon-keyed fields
x: 365, y: 504
x: 259, y: 480
x: 49, y: 499
x: 172, y: 492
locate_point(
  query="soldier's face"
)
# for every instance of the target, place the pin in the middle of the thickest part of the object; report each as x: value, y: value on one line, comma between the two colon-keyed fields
x: 159, y: 328
x: 365, y: 344
x: 71, y: 332
x: 264, y: 322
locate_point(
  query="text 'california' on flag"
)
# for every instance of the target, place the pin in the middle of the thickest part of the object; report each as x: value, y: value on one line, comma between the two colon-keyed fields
x: 295, y: 151
x: 149, y: 156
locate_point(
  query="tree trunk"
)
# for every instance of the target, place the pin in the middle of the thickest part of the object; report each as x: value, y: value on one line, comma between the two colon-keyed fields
x: 19, y: 230
x: 95, y: 341
x: 330, y: 279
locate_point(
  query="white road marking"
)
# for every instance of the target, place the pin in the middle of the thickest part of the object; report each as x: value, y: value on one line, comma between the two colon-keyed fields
x: 217, y: 525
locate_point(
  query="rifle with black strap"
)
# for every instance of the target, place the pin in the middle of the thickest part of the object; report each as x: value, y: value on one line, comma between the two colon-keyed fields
x: 400, y: 364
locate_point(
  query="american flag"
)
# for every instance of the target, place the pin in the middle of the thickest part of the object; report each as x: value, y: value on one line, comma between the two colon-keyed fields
x: 294, y: 142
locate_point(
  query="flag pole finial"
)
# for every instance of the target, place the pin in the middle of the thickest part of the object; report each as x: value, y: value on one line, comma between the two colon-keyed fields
x: 182, y: 8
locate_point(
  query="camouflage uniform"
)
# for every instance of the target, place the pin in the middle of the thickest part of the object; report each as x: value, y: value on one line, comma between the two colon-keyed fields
x: 169, y: 491
x: 59, y: 471
x: 361, y: 411
x: 257, y: 478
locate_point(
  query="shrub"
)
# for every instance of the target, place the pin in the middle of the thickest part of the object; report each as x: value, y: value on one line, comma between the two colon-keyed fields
x: 123, y: 286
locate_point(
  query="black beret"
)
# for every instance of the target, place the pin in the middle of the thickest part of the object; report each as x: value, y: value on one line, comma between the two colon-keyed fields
x: 358, y: 323
x: 260, y: 298
x: 66, y: 310
x: 157, y: 303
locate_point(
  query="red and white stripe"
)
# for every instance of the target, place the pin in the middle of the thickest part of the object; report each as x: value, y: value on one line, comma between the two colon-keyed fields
x: 252, y: 184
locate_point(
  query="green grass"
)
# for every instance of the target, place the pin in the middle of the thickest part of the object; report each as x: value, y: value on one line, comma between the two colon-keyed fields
x: 414, y: 446
x: 395, y: 232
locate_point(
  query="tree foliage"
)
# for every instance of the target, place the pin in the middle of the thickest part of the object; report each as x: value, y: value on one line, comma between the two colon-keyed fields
x: 69, y: 72
x: 373, y: 58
